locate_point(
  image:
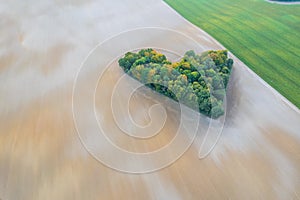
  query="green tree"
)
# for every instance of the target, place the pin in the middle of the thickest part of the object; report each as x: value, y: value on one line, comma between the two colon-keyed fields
x: 196, y: 80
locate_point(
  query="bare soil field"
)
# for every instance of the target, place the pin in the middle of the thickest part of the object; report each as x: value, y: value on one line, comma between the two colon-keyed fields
x: 43, y: 45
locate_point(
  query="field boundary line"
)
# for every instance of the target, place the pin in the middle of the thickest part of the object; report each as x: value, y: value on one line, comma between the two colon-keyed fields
x: 275, y: 92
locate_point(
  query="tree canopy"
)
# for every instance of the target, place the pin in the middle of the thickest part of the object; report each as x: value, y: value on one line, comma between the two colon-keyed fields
x: 197, y: 81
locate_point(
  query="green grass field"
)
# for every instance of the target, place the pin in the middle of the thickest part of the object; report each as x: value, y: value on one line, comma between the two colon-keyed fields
x: 265, y: 36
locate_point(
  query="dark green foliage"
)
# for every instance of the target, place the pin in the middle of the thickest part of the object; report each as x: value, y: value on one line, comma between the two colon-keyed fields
x: 198, y: 81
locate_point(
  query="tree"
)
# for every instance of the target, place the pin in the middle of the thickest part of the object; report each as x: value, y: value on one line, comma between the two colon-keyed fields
x: 123, y: 62
x: 198, y: 81
x: 217, y: 82
x: 229, y: 63
x: 144, y: 75
x: 140, y: 61
x: 190, y: 53
x: 194, y: 75
x: 217, y: 111
x: 210, y: 73
x: 219, y: 94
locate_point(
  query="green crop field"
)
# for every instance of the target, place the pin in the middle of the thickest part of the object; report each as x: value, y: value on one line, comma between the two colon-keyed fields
x: 265, y: 36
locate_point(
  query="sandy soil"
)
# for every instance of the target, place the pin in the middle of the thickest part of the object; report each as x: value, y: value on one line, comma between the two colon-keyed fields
x: 43, y: 44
